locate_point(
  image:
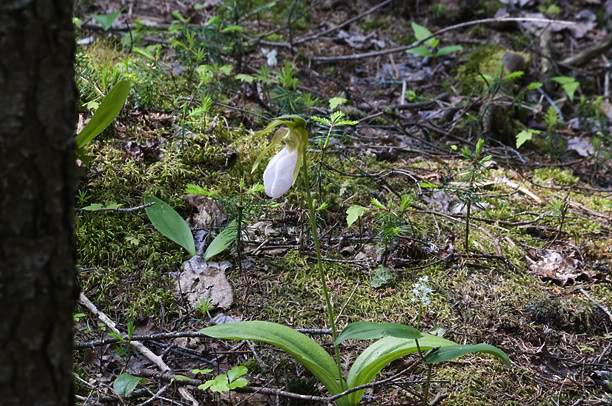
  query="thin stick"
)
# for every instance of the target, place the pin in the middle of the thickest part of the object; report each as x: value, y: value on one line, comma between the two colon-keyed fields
x: 346, y: 303
x: 422, y: 41
x: 347, y: 22
x: 155, y: 359
x: 153, y: 337
x: 588, y: 54
x: 602, y: 307
x: 111, y: 324
x: 123, y: 209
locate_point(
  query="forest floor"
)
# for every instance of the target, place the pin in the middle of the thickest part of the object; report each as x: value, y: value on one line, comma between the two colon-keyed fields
x: 515, y: 239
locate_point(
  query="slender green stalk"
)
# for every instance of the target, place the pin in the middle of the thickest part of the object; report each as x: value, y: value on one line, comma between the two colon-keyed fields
x: 315, y: 236
x: 428, y: 381
x: 426, y: 388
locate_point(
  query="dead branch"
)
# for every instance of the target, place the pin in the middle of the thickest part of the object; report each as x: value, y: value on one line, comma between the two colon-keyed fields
x: 155, y: 359
x: 588, y: 54
x: 422, y: 41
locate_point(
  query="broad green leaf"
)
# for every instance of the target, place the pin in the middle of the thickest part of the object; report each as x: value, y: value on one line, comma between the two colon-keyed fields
x: 222, y: 241
x: 382, y: 276
x: 168, y: 222
x: 353, y: 213
x: 570, y: 89
x: 181, y: 378
x: 524, y: 136
x: 245, y: 78
x: 93, y: 207
x: 238, y: 383
x: 568, y: 83
x: 562, y: 80
x: 125, y: 384
x: 236, y: 372
x: 304, y: 349
x: 92, y: 105
x: 420, y: 51
x: 201, y: 371
x: 421, y: 32
x: 449, y: 50
x: 106, y: 20
x: 217, y: 384
x: 381, y: 354
x: 98, y: 206
x: 226, y: 69
x: 368, y: 330
x: 456, y: 351
x: 534, y: 85
x: 335, y: 102
x: 105, y: 114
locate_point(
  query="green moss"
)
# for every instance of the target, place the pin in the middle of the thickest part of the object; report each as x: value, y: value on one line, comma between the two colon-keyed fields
x: 557, y: 175
x: 128, y: 258
x: 487, y: 60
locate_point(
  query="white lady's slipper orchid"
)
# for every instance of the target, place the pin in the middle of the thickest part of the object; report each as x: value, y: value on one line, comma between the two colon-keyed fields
x: 284, y: 167
x: 278, y: 176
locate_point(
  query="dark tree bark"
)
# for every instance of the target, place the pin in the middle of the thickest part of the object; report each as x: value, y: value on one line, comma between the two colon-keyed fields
x: 37, y: 255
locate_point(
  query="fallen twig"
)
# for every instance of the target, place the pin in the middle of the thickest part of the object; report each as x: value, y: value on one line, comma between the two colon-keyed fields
x: 155, y: 359
x: 602, y: 307
x: 588, y: 54
x: 123, y: 209
x: 152, y: 337
x: 344, y: 24
x: 422, y: 41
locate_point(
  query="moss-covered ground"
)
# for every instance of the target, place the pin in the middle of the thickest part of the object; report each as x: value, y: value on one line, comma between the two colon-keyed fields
x: 496, y: 283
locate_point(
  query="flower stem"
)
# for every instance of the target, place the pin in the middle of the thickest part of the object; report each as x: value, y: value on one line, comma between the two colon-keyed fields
x: 426, y: 387
x: 315, y: 236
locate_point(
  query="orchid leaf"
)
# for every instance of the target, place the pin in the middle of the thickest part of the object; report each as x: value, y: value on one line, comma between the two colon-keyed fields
x: 381, y: 354
x: 367, y: 330
x: 107, y: 111
x: 456, y: 351
x: 304, y: 349
x: 168, y: 222
x: 222, y: 241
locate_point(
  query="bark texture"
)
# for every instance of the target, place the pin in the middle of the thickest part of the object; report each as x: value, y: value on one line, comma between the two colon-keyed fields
x: 37, y: 256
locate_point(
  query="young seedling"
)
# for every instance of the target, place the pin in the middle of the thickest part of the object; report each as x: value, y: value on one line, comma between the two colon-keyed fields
x: 474, y: 173
x: 224, y: 382
x: 431, y: 45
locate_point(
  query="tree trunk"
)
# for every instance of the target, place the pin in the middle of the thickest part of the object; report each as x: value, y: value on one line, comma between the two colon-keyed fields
x: 37, y: 182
